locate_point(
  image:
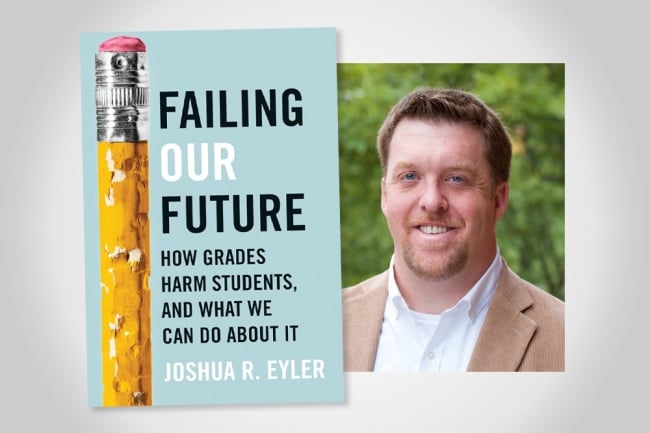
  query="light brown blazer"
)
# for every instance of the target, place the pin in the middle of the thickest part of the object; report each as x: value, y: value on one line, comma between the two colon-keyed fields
x: 523, y: 329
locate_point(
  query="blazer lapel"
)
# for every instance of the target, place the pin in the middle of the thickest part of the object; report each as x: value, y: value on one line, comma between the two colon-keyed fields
x: 506, y: 332
x: 363, y: 312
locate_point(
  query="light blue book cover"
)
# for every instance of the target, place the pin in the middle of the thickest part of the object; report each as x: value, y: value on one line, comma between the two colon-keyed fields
x: 211, y: 200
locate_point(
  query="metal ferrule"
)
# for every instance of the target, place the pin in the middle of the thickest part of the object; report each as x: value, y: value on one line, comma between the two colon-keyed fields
x: 122, y: 96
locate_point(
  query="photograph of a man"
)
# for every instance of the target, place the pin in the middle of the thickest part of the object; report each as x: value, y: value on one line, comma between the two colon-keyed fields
x: 448, y: 301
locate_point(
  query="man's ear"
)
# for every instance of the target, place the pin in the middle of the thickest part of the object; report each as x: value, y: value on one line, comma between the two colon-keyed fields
x: 501, y: 197
x: 383, y: 195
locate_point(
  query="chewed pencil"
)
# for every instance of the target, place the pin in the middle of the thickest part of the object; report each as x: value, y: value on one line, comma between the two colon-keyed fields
x: 122, y: 104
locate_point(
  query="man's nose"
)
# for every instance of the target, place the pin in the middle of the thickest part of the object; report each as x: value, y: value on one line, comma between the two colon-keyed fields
x: 433, y: 197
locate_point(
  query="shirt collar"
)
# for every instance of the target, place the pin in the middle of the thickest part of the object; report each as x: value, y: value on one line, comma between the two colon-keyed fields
x: 474, y: 301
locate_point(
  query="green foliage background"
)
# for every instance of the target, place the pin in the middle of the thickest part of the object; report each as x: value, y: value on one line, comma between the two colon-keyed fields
x: 530, y: 100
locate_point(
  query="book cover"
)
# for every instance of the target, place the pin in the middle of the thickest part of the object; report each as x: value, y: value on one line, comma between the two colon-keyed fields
x: 210, y: 170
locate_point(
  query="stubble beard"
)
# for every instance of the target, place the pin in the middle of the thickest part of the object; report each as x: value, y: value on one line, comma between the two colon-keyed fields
x: 432, y: 265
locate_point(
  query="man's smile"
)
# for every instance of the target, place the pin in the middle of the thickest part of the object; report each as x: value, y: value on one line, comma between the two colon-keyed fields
x: 433, y: 229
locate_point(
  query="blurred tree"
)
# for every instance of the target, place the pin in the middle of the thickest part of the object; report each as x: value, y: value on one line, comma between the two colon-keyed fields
x: 530, y: 100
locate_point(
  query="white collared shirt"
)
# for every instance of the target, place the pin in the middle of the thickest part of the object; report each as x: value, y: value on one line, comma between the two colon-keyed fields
x: 412, y: 341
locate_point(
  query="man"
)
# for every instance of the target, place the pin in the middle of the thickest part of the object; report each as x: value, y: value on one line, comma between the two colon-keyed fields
x: 448, y: 301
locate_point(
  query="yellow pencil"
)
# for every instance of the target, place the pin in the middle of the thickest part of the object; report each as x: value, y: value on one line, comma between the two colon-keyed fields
x: 122, y: 103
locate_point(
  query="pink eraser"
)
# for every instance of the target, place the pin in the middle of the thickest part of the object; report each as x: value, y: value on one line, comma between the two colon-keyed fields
x: 122, y: 44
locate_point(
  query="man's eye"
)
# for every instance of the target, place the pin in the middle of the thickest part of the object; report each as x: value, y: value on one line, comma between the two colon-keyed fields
x: 456, y: 179
x: 410, y: 176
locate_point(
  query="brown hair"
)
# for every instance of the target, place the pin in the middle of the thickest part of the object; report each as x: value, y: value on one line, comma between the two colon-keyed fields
x: 454, y: 106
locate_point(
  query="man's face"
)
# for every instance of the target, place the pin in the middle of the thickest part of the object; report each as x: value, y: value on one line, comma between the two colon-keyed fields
x: 439, y: 201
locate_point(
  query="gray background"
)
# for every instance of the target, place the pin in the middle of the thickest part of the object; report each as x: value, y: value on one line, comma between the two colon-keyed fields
x: 604, y: 46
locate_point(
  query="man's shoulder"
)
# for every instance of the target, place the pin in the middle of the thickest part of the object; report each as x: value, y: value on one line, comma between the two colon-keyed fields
x: 523, y: 329
x: 546, y: 310
x: 515, y: 286
x: 363, y: 311
x: 374, y: 285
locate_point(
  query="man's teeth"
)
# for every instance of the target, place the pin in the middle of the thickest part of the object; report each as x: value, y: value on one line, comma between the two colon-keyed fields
x: 434, y: 230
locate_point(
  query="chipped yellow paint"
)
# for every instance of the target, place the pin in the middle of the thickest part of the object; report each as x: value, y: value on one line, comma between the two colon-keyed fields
x: 124, y: 272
